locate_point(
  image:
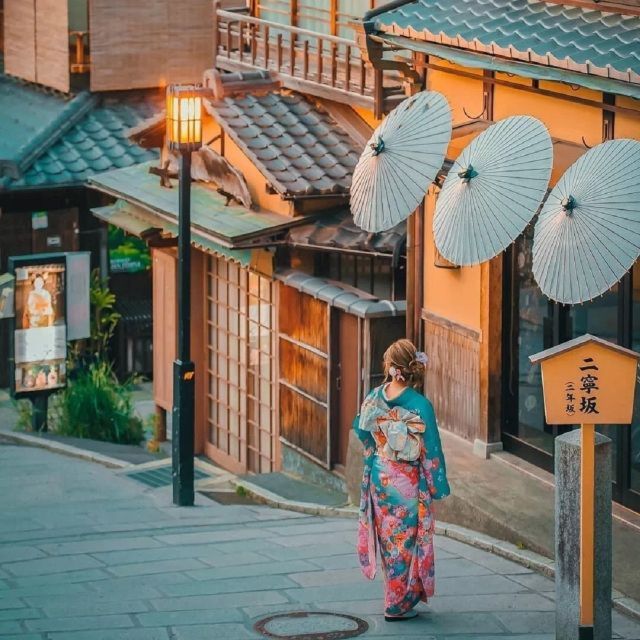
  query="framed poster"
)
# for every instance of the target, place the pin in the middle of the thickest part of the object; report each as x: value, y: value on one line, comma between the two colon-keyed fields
x: 39, y: 344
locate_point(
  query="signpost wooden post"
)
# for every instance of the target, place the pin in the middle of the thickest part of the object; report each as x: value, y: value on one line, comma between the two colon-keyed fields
x: 588, y: 381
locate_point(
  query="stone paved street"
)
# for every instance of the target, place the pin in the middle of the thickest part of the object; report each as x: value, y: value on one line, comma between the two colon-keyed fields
x: 89, y: 554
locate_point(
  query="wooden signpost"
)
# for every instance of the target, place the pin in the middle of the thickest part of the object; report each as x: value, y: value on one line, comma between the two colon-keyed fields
x: 588, y: 381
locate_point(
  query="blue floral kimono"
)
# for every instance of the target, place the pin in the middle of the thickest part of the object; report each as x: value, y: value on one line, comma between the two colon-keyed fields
x: 404, y: 470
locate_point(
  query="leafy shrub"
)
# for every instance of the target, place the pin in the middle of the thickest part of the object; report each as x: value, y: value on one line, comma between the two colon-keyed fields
x: 95, y: 405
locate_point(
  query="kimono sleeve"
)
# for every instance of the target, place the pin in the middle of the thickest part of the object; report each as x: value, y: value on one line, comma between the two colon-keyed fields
x: 364, y: 436
x: 433, y: 448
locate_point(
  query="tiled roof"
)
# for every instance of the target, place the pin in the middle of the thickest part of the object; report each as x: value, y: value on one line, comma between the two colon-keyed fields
x: 85, y: 135
x: 229, y: 224
x: 337, y: 231
x: 572, y: 38
x: 296, y: 144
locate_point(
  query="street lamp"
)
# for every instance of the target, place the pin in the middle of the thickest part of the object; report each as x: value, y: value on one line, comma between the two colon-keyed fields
x: 184, y: 134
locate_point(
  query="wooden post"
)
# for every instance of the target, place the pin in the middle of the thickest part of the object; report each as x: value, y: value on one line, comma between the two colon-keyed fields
x: 216, y: 33
x: 333, y: 17
x: 587, y: 494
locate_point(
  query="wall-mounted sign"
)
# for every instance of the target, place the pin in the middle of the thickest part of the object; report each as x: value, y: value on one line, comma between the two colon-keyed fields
x: 40, y: 335
x: 39, y: 220
x: 127, y: 254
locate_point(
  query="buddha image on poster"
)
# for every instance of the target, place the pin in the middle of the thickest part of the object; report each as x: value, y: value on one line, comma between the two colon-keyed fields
x: 40, y: 336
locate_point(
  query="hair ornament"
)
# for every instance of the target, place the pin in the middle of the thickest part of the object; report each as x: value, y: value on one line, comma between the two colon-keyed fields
x: 421, y: 357
x: 396, y: 373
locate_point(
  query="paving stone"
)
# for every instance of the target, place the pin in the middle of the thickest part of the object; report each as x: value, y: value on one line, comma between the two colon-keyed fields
x: 10, y: 626
x: 235, y: 585
x: 316, y: 539
x: 52, y: 565
x: 96, y: 608
x: 441, y: 624
x: 171, y: 618
x: 220, y: 601
x: 527, y: 621
x: 329, y: 593
x: 162, y: 566
x: 80, y: 623
x: 476, y: 585
x: 347, y: 561
x: 122, y: 634
x: 261, y: 569
x: 138, y: 583
x: 309, y: 528
x: 11, y: 603
x: 50, y: 589
x: 535, y: 636
x: 534, y: 581
x: 15, y: 554
x: 488, y: 560
x: 459, y: 567
x: 95, y: 546
x: 19, y: 614
x: 310, y: 552
x: 208, y: 551
x: 24, y: 636
x: 499, y: 602
x: 72, y: 577
x: 226, y: 631
x: 211, y: 536
x: 626, y: 627
x: 334, y: 577
x: 229, y: 560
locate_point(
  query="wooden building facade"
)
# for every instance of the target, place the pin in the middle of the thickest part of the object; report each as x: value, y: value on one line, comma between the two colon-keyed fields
x: 479, y: 324
x: 291, y: 303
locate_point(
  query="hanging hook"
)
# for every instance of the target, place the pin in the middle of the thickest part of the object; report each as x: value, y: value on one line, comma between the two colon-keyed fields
x: 606, y: 136
x: 485, y: 104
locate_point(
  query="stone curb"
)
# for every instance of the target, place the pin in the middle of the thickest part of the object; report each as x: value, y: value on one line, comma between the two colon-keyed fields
x: 274, y: 500
x: 64, y: 449
x: 524, y: 557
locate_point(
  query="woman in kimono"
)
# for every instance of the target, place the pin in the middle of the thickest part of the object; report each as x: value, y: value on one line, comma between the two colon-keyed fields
x: 404, y: 471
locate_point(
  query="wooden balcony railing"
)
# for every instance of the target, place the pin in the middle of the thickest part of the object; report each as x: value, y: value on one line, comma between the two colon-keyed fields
x: 317, y: 63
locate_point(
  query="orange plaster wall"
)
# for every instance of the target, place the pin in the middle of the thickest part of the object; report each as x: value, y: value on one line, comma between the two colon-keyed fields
x: 451, y: 293
x: 564, y: 119
x: 462, y: 93
x: 367, y: 116
x: 627, y: 126
x: 256, y: 181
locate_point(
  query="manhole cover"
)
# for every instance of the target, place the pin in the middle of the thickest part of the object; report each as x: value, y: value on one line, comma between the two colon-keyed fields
x: 161, y: 476
x: 311, y: 625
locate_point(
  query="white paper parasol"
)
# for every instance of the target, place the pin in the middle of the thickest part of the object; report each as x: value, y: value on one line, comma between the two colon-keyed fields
x: 588, y: 233
x: 493, y: 190
x: 400, y: 161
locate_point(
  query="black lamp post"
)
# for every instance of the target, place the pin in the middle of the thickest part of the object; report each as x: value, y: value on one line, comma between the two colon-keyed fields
x: 184, y: 134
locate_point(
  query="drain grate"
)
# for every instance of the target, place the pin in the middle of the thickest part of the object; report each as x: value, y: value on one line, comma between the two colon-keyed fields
x: 311, y: 625
x: 160, y: 476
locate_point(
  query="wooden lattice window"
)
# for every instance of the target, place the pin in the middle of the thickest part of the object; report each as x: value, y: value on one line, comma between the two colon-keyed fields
x: 241, y: 367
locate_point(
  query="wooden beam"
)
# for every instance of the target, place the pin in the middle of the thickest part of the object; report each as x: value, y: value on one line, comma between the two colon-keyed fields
x: 534, y: 89
x: 333, y: 17
x: 490, y: 349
